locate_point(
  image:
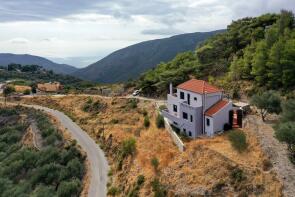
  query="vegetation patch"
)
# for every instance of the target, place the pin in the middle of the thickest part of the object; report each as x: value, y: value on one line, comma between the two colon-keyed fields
x: 238, y: 140
x: 94, y: 107
x: 56, y: 170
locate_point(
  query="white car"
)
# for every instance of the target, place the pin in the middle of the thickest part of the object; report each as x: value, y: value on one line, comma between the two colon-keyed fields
x: 136, y: 93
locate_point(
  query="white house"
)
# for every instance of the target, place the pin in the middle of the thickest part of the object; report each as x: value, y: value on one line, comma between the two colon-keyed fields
x: 197, y: 108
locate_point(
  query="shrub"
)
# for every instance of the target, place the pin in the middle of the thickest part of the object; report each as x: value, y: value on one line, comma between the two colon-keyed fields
x: 237, y: 175
x: 132, y: 103
x: 114, y: 121
x: 128, y: 147
x: 113, y: 191
x: 71, y: 188
x: 140, y: 180
x: 158, y: 189
x: 27, y: 92
x: 238, y: 140
x: 162, y: 107
x: 155, y: 163
x: 160, y: 121
x: 144, y: 112
x: 146, y: 122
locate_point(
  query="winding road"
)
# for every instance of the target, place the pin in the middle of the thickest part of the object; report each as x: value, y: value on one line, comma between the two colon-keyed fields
x: 98, y: 162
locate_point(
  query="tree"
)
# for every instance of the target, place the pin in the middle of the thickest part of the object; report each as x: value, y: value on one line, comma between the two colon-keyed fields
x: 275, y: 69
x: 71, y: 188
x: 285, y: 132
x: 286, y: 20
x: 267, y: 102
x: 288, y: 111
x: 7, y: 91
x: 259, y: 68
x: 288, y: 62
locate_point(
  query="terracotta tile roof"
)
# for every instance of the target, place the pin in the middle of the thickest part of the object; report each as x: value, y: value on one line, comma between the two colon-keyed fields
x: 216, y: 107
x: 198, y: 86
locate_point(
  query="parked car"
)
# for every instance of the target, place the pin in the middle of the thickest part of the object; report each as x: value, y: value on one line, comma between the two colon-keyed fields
x: 136, y: 92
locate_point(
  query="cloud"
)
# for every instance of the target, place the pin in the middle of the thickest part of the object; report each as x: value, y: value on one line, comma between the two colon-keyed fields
x: 19, y: 41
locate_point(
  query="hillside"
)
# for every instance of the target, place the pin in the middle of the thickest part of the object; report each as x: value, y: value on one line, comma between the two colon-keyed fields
x: 30, y: 75
x: 257, y: 51
x: 35, y: 158
x: 8, y: 58
x: 130, y: 62
x: 208, y: 167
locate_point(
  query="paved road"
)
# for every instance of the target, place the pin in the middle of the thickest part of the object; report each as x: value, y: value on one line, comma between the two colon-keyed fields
x: 98, y: 163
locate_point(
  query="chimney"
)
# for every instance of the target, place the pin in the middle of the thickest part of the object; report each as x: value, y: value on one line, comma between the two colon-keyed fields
x: 171, y: 88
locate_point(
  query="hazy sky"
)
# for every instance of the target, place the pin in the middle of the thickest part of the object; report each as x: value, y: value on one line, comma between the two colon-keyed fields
x: 80, y: 32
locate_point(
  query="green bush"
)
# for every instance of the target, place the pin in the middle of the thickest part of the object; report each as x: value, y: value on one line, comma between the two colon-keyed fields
x: 158, y: 189
x: 146, y: 122
x: 238, y: 140
x: 71, y: 188
x: 237, y: 175
x: 140, y: 180
x: 160, y: 121
x: 27, y: 92
x: 114, y: 121
x: 162, y: 107
x: 132, y: 103
x: 128, y: 147
x: 113, y: 191
x: 155, y: 163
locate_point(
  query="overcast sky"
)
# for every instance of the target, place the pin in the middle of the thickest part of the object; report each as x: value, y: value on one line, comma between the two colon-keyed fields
x: 81, y: 32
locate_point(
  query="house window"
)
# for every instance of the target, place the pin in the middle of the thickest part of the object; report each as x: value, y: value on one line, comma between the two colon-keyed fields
x: 190, y: 133
x: 191, y: 118
x: 184, y: 131
x: 181, y: 95
x: 188, y: 99
x: 208, y: 121
x: 184, y: 115
x: 195, y: 98
x: 175, y: 108
x: 175, y: 123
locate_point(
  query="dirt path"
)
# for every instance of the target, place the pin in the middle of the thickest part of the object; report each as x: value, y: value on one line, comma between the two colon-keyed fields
x: 37, y: 138
x: 276, y: 151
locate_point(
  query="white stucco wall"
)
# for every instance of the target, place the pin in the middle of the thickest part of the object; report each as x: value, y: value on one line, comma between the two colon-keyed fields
x: 222, y: 117
x: 211, y: 99
x: 209, y: 129
x: 193, y: 102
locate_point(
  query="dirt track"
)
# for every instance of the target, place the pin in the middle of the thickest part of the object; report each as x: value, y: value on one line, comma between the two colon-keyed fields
x: 276, y: 151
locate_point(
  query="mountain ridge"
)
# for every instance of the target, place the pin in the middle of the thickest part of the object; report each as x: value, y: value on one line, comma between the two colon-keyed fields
x: 25, y: 59
x: 130, y: 62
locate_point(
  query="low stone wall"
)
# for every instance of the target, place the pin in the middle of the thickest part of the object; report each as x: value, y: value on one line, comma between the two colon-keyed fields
x: 174, y: 136
x: 177, y: 141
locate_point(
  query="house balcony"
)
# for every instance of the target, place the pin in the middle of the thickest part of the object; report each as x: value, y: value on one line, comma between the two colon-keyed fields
x: 171, y: 116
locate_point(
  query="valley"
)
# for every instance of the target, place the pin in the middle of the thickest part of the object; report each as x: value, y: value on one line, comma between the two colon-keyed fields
x: 195, y: 114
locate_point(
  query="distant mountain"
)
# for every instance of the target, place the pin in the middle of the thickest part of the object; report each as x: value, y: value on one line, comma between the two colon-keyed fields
x: 8, y: 58
x: 130, y: 62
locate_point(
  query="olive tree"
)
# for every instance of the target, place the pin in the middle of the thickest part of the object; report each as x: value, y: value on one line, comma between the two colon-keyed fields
x: 267, y: 102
